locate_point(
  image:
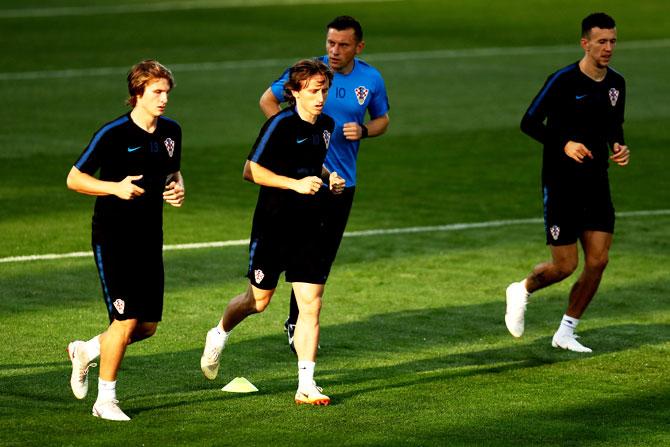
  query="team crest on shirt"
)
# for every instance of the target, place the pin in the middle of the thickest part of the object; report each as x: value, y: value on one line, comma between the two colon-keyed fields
x: 119, y: 305
x: 614, y: 96
x: 361, y: 94
x: 326, y: 138
x: 259, y: 275
x: 555, y: 230
x: 169, y: 145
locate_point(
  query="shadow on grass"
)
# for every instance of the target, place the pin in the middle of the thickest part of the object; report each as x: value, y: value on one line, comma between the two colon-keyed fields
x: 442, y: 337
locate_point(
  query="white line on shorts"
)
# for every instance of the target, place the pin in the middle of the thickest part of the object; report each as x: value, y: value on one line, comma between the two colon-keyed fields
x: 363, y: 233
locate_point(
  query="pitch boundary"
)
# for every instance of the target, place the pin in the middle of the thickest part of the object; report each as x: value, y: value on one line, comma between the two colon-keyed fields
x: 362, y: 233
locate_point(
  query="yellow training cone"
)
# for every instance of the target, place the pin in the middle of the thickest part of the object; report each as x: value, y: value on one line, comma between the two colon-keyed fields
x: 239, y: 385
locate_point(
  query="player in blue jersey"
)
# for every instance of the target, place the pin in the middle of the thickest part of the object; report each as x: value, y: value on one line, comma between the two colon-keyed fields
x: 583, y: 106
x: 138, y: 156
x: 358, y: 88
x: 286, y: 235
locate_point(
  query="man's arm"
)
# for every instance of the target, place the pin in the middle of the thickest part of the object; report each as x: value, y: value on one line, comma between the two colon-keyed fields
x: 84, y: 183
x: 354, y: 131
x: 269, y: 104
x: 259, y: 175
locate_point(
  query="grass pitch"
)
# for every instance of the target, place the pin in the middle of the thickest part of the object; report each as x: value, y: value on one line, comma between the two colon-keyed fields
x: 414, y: 348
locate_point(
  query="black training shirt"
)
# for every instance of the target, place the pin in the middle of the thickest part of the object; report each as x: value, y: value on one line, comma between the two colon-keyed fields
x: 119, y: 149
x: 289, y: 146
x: 577, y: 108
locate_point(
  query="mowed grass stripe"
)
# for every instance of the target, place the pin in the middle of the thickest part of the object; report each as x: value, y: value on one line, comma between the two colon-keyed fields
x: 70, y: 11
x: 372, y: 57
x: 363, y: 233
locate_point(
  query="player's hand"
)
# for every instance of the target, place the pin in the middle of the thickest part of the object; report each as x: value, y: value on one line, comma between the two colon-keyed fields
x: 127, y: 190
x: 621, y: 155
x: 174, y: 193
x: 577, y: 151
x: 308, y: 185
x: 336, y: 183
x: 352, y: 131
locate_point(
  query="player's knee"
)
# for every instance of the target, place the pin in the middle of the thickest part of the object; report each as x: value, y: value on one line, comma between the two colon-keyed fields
x: 261, y: 304
x: 597, y: 262
x: 566, y: 268
x: 312, y: 306
x: 149, y: 329
x: 258, y: 300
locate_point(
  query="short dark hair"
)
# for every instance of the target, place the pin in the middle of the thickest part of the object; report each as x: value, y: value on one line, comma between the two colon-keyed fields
x: 300, y: 72
x: 597, y: 20
x: 341, y: 23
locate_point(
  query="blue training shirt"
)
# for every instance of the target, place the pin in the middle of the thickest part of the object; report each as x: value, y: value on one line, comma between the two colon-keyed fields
x: 350, y: 96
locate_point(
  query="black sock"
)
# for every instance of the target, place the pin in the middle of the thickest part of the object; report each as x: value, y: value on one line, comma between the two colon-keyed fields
x: 293, y: 310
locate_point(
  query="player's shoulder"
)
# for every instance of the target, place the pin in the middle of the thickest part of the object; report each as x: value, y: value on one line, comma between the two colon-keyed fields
x: 567, y: 72
x: 616, y: 75
x: 113, y: 127
x: 169, y: 123
x: 116, y: 123
x: 366, y: 69
x: 281, y: 120
x: 327, y: 121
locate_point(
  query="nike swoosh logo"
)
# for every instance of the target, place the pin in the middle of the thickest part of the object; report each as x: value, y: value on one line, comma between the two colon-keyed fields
x: 133, y: 149
x: 301, y: 141
x: 580, y: 96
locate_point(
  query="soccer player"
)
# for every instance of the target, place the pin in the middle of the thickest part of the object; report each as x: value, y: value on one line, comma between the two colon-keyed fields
x: 138, y: 156
x: 583, y: 105
x: 287, y: 162
x: 357, y: 88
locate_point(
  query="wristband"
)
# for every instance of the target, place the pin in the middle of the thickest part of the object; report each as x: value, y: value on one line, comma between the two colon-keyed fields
x: 364, y: 131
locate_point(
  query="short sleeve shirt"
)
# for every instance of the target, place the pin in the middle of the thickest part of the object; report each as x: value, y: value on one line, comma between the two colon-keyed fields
x: 291, y: 147
x: 350, y: 97
x: 119, y: 149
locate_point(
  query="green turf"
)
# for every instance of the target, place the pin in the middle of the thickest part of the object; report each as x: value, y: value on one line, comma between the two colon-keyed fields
x: 414, y: 350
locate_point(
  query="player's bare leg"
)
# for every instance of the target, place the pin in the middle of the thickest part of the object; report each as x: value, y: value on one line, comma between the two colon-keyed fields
x: 563, y: 262
x: 306, y: 341
x: 596, y: 245
x: 113, y: 343
x: 252, y: 301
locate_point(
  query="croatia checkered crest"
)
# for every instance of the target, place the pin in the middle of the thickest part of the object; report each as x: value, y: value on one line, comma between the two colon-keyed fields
x: 361, y: 94
x: 326, y: 138
x: 614, y: 96
x: 120, y: 306
x: 259, y: 275
x: 169, y: 145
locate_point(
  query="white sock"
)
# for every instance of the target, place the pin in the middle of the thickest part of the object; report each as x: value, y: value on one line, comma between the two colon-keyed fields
x: 568, y: 325
x: 92, y: 348
x: 305, y: 374
x: 221, y: 333
x: 106, y: 390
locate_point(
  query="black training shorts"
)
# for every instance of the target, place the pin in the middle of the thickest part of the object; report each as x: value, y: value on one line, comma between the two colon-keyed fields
x: 132, y: 278
x: 569, y: 212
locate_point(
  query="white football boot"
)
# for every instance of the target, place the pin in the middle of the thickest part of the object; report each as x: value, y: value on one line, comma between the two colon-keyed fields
x: 517, y: 299
x: 109, y: 409
x: 312, y: 395
x: 209, y: 362
x: 569, y: 342
x: 80, y: 366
